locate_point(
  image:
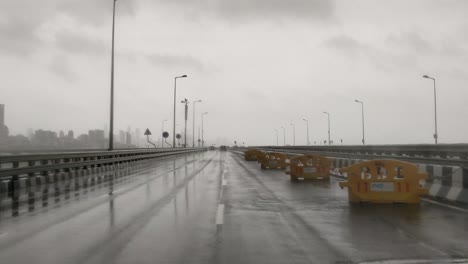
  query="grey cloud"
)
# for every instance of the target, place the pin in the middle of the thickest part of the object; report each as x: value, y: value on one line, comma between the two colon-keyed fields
x: 61, y: 67
x: 411, y: 40
x: 18, y: 38
x: 21, y: 19
x: 261, y: 9
x: 175, y: 61
x: 78, y: 43
x: 380, y: 58
x: 95, y: 12
x: 346, y: 44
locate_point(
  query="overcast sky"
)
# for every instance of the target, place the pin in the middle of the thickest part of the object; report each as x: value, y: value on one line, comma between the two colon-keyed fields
x: 256, y: 64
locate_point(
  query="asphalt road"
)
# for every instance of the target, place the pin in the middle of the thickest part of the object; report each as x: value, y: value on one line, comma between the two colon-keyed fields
x: 214, y: 207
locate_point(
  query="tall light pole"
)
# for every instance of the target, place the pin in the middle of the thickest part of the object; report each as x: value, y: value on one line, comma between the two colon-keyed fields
x: 363, y: 135
x: 202, y: 131
x: 435, y: 107
x: 175, y: 92
x: 193, y: 133
x: 185, y: 101
x: 307, y: 121
x: 284, y: 135
x: 276, y: 130
x: 162, y: 131
x: 294, y: 134
x: 111, y: 130
x: 328, y: 127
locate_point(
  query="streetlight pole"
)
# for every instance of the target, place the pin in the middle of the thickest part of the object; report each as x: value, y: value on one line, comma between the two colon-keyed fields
x: 284, y: 135
x: 276, y: 130
x: 193, y: 133
x: 328, y: 127
x: 435, y: 108
x: 175, y: 92
x: 307, y: 121
x: 202, y: 131
x: 294, y: 134
x: 162, y: 131
x: 111, y: 130
x: 362, y: 107
x: 185, y: 101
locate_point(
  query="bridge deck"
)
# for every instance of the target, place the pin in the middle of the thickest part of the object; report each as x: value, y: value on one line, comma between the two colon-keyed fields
x: 214, y: 207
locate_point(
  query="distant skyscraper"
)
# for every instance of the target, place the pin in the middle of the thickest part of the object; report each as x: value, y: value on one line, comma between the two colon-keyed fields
x: 129, y: 139
x: 2, y: 115
x: 71, y: 135
x: 137, y: 137
x: 122, y: 137
x: 3, y: 129
x: 106, y: 132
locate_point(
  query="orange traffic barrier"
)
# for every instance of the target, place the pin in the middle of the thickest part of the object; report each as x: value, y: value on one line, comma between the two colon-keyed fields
x: 309, y: 167
x: 252, y: 154
x: 384, y: 181
x: 273, y: 160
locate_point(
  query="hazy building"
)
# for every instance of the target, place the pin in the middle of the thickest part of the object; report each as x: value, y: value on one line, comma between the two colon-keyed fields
x: 45, y: 139
x: 128, y: 139
x: 96, y: 138
x: 122, y: 137
x: 3, y: 128
x: 71, y: 134
x: 137, y: 137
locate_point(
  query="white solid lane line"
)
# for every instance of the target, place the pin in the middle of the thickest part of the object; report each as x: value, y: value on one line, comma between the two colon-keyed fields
x: 445, y: 205
x: 220, y: 214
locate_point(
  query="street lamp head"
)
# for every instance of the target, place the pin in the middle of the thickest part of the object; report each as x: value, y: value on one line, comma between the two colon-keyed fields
x: 425, y: 76
x: 183, y: 76
x: 198, y: 101
x: 357, y: 101
x: 305, y: 119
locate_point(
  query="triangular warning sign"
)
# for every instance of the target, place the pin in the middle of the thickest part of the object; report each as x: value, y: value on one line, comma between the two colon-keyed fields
x: 147, y: 132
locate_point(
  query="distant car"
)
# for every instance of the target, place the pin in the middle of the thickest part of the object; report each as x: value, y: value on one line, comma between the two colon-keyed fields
x: 223, y: 148
x: 212, y: 148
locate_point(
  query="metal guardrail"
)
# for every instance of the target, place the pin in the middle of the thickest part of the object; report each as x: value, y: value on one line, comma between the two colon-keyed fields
x: 14, y: 166
x: 424, y: 150
x: 449, y: 154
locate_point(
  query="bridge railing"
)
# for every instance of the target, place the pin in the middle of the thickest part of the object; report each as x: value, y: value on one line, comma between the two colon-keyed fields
x: 28, y: 165
x: 455, y: 153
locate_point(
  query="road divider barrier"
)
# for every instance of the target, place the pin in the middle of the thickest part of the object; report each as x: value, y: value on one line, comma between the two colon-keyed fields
x: 273, y: 160
x: 309, y: 167
x: 384, y: 181
x: 252, y: 154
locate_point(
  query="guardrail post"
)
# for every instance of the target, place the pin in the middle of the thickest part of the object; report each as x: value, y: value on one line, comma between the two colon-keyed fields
x: 14, y: 183
x: 31, y: 176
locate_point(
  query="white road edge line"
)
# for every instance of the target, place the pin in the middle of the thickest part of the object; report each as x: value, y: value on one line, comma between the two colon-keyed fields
x: 445, y: 205
x: 220, y: 214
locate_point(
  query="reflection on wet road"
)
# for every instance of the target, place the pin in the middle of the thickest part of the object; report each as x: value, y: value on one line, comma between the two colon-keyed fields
x: 214, y: 207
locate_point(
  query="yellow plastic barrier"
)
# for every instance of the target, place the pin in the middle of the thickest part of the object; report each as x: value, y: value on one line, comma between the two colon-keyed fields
x: 384, y: 181
x: 252, y: 154
x: 273, y: 160
x: 309, y: 167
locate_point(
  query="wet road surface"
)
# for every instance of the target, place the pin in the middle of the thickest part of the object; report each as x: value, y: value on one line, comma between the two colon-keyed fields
x: 214, y: 207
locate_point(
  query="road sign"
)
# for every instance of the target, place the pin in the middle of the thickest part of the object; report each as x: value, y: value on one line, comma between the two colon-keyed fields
x: 165, y: 134
x: 178, y: 136
x: 147, y: 132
